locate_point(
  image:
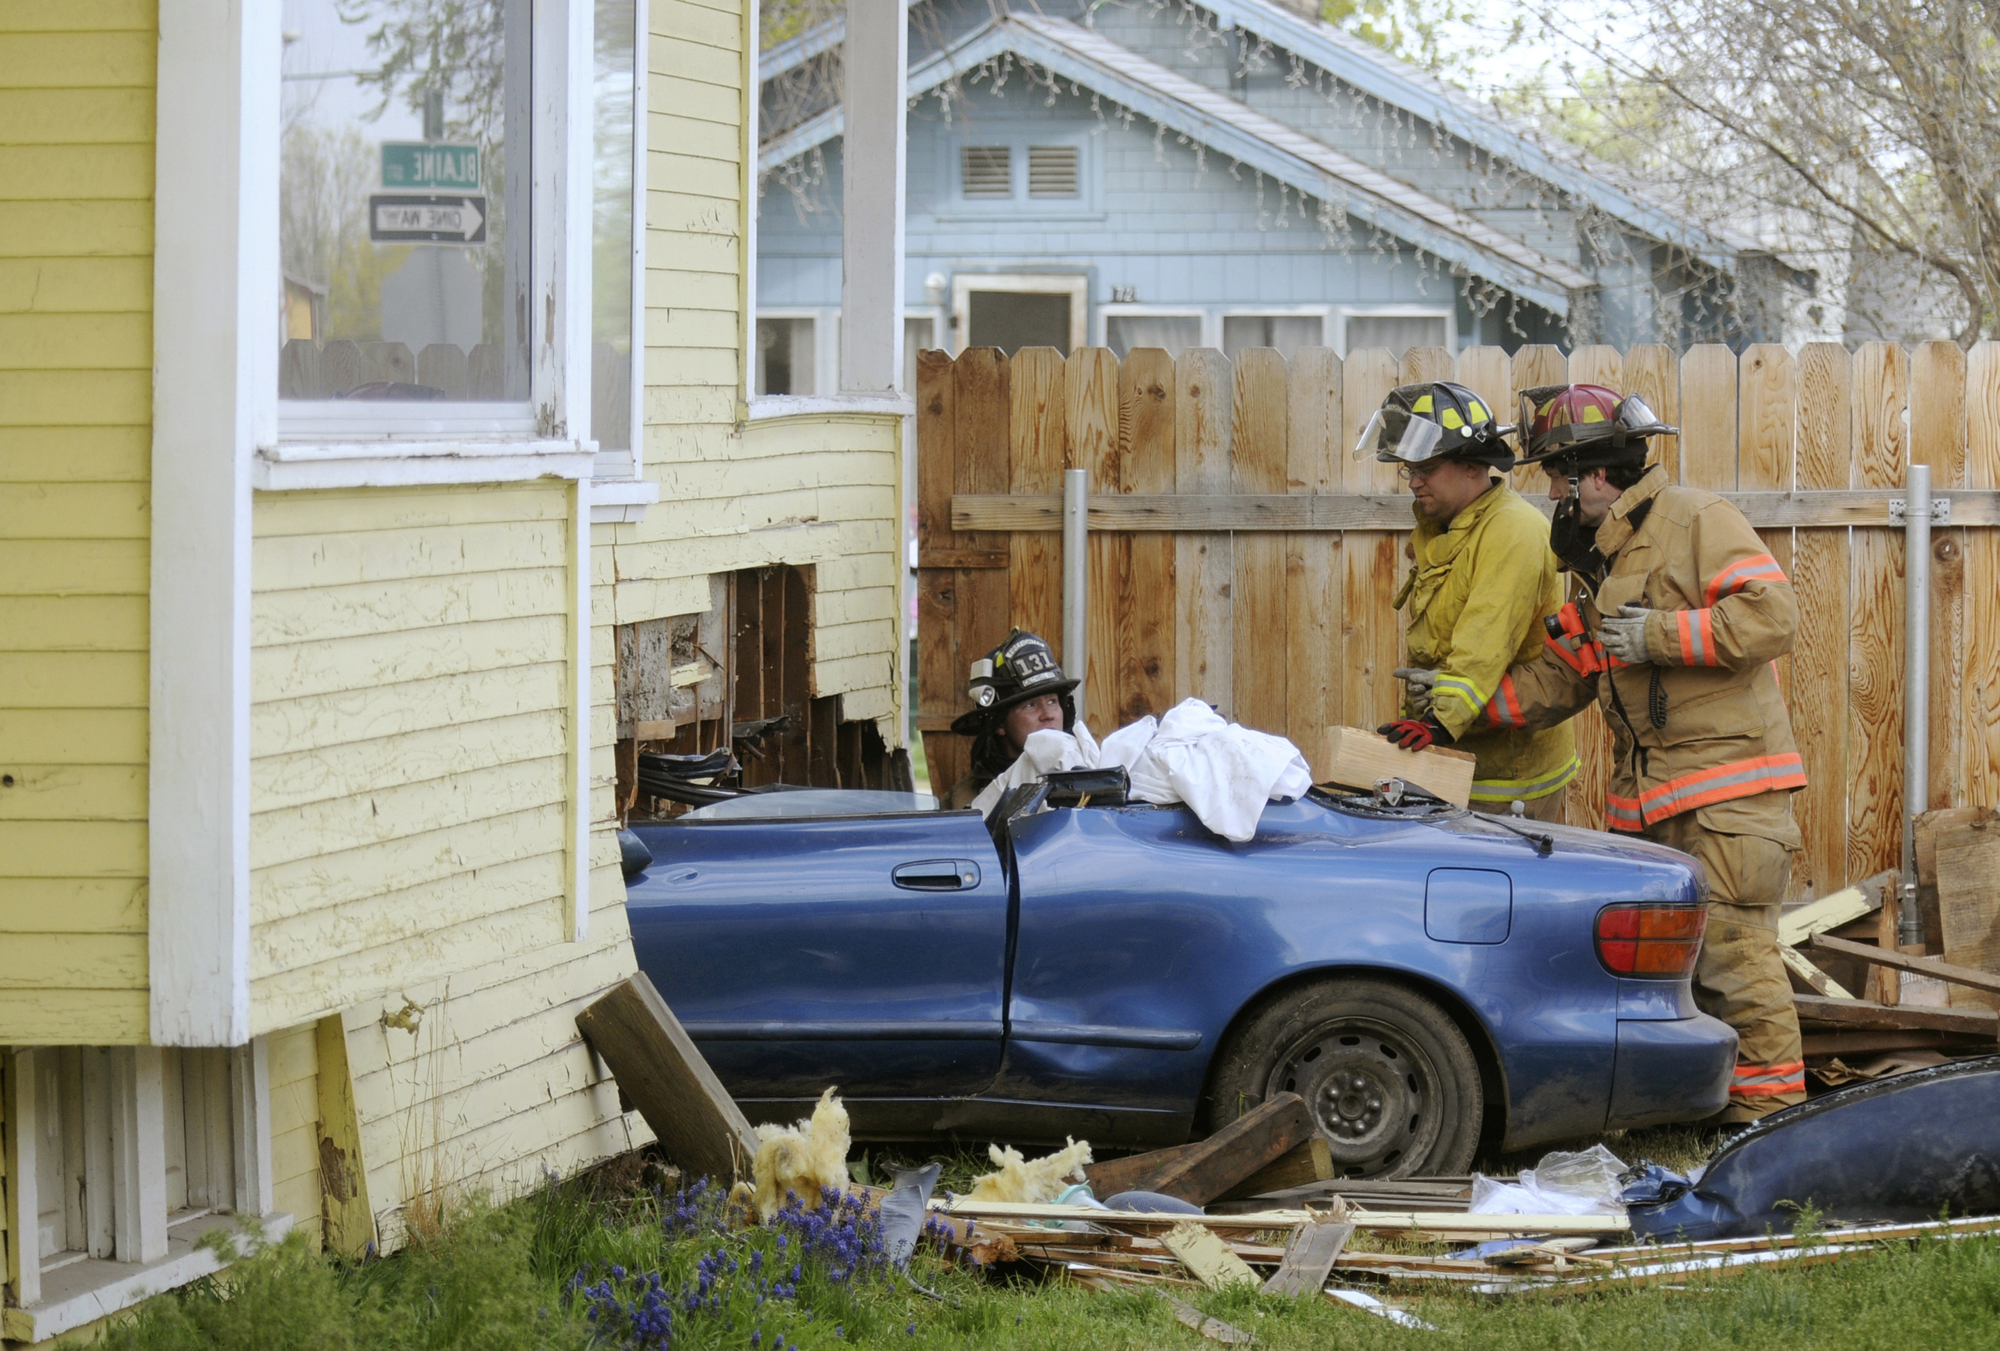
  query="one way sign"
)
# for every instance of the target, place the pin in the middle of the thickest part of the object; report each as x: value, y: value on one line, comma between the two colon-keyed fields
x: 424, y: 219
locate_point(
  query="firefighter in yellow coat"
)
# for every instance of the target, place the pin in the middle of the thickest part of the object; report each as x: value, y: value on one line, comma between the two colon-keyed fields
x: 1681, y: 614
x: 1483, y: 578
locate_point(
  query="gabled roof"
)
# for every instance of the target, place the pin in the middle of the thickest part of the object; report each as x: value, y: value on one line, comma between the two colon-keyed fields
x: 1091, y: 60
x: 1376, y: 73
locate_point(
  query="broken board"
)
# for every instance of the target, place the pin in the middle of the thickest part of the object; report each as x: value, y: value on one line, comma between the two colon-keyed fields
x: 701, y: 1129
x: 1900, y: 961
x: 1202, y: 1171
x: 1968, y: 873
x: 1301, y: 1166
x: 1309, y: 1258
x: 1207, y: 1258
x: 1355, y: 758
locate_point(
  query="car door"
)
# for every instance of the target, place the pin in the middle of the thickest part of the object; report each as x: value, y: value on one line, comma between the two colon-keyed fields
x: 863, y: 952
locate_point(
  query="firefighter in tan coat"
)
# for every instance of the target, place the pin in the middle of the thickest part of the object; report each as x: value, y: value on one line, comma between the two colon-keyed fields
x: 1483, y: 578
x: 1680, y: 615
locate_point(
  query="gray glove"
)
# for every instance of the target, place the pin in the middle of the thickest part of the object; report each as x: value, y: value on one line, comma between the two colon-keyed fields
x: 1624, y: 635
x: 1417, y: 683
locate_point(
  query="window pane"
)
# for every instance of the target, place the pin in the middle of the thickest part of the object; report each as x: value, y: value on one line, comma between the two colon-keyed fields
x: 402, y: 278
x: 1397, y: 332
x: 1011, y: 320
x: 611, y: 233
x: 784, y: 356
x: 1175, y: 332
x: 1286, y: 332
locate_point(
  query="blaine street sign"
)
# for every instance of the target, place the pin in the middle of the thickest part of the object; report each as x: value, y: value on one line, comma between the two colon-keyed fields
x: 408, y: 165
x: 400, y: 218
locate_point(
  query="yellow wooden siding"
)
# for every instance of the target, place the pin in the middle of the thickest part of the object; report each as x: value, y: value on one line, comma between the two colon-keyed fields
x: 76, y: 333
x: 821, y: 491
x: 494, y: 1084
x: 294, y: 1065
x: 409, y: 738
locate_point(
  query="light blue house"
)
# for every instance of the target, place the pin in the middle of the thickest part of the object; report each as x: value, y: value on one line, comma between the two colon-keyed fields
x: 1156, y: 173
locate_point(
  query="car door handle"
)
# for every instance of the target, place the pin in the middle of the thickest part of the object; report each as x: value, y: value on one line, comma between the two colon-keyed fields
x: 937, y: 874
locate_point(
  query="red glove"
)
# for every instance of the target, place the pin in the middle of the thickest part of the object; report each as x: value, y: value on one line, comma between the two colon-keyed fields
x: 1413, y: 734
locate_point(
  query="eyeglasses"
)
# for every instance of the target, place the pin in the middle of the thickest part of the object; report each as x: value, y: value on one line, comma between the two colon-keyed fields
x: 1412, y: 473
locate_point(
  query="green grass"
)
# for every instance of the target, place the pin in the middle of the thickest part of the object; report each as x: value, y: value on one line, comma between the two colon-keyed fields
x: 500, y: 1278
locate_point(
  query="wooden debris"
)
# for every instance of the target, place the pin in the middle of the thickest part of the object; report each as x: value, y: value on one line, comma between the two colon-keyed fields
x: 1207, y: 1258
x: 1357, y: 758
x: 1309, y: 1257
x: 1899, y: 961
x: 1859, y: 1014
x: 1830, y: 912
x: 1442, y: 1225
x: 1212, y: 1328
x: 1809, y: 975
x: 1968, y: 873
x: 1303, y: 1165
x: 1202, y: 1171
x: 700, y: 1128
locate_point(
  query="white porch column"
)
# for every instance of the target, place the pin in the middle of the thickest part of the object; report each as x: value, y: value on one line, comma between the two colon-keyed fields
x: 872, y: 158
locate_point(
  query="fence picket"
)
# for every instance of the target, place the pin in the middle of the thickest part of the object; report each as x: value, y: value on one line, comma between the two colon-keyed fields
x: 1204, y: 563
x: 1371, y: 635
x: 1149, y: 678
x: 1708, y: 417
x: 1597, y: 365
x: 1038, y: 413
x: 1820, y: 578
x: 1937, y: 438
x: 1316, y: 462
x: 940, y: 676
x: 1875, y: 648
x: 982, y: 410
x: 1767, y: 403
x: 1260, y: 464
x: 1653, y: 372
x: 1091, y: 403
x: 1979, y: 774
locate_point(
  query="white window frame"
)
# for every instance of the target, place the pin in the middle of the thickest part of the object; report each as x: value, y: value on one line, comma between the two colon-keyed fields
x: 341, y: 444
x: 825, y: 345
x: 1324, y: 313
x: 1075, y: 285
x: 614, y: 466
x: 1211, y: 324
x: 1343, y: 313
x: 154, y: 1249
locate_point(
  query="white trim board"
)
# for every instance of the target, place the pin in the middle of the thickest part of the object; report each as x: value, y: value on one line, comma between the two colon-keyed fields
x: 215, y: 244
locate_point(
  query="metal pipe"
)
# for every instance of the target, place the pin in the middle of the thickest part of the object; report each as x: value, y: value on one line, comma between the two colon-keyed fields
x: 1916, y: 688
x: 1076, y: 537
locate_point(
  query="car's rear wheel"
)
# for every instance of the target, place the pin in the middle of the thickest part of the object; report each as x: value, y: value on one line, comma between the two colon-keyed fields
x: 1386, y: 1073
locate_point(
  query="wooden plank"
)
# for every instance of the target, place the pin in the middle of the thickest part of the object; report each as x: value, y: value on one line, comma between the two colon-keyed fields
x: 1820, y: 1044
x: 1979, y: 747
x: 1394, y: 1222
x: 982, y: 448
x: 1949, y: 972
x: 1214, y: 1329
x: 1885, y: 983
x: 1708, y: 417
x: 1299, y: 1166
x: 1814, y: 979
x: 1091, y: 414
x: 1147, y: 622
x: 1820, y: 576
x: 1653, y: 372
x: 1038, y: 456
x: 1855, y: 1013
x: 1937, y: 439
x: 1595, y: 365
x: 1316, y: 464
x: 1204, y: 564
x: 1830, y: 912
x: 1968, y: 871
x: 1370, y: 560
x: 1309, y: 1259
x: 1489, y: 373
x: 1207, y: 1258
x: 1202, y: 1171
x: 700, y: 1128
x: 1875, y: 644
x: 345, y: 1212
x: 1358, y: 757
x: 1260, y: 463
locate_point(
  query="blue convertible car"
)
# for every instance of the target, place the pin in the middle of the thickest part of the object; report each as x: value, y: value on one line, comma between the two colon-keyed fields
x: 1425, y: 977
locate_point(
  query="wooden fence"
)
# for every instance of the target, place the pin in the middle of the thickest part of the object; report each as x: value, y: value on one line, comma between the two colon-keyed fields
x: 1239, y: 553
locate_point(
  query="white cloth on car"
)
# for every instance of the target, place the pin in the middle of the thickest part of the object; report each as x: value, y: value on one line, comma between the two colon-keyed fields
x: 1224, y: 772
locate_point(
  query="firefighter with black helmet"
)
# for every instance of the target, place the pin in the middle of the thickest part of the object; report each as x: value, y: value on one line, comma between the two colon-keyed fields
x: 1016, y: 689
x: 1483, y: 578
x: 1679, y: 618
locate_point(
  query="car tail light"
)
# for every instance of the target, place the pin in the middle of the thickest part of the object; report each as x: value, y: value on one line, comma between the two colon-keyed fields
x: 1656, y: 941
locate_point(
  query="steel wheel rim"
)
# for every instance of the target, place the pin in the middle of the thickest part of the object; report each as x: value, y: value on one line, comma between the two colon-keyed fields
x: 1372, y: 1091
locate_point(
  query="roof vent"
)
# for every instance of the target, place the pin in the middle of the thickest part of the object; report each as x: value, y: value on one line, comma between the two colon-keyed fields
x: 1052, y: 171
x: 986, y: 171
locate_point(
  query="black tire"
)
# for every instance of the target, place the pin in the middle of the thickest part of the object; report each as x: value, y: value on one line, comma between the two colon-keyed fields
x: 1385, y: 1072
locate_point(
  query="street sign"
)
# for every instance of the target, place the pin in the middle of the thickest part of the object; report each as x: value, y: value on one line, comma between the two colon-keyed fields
x: 410, y: 165
x: 415, y: 219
